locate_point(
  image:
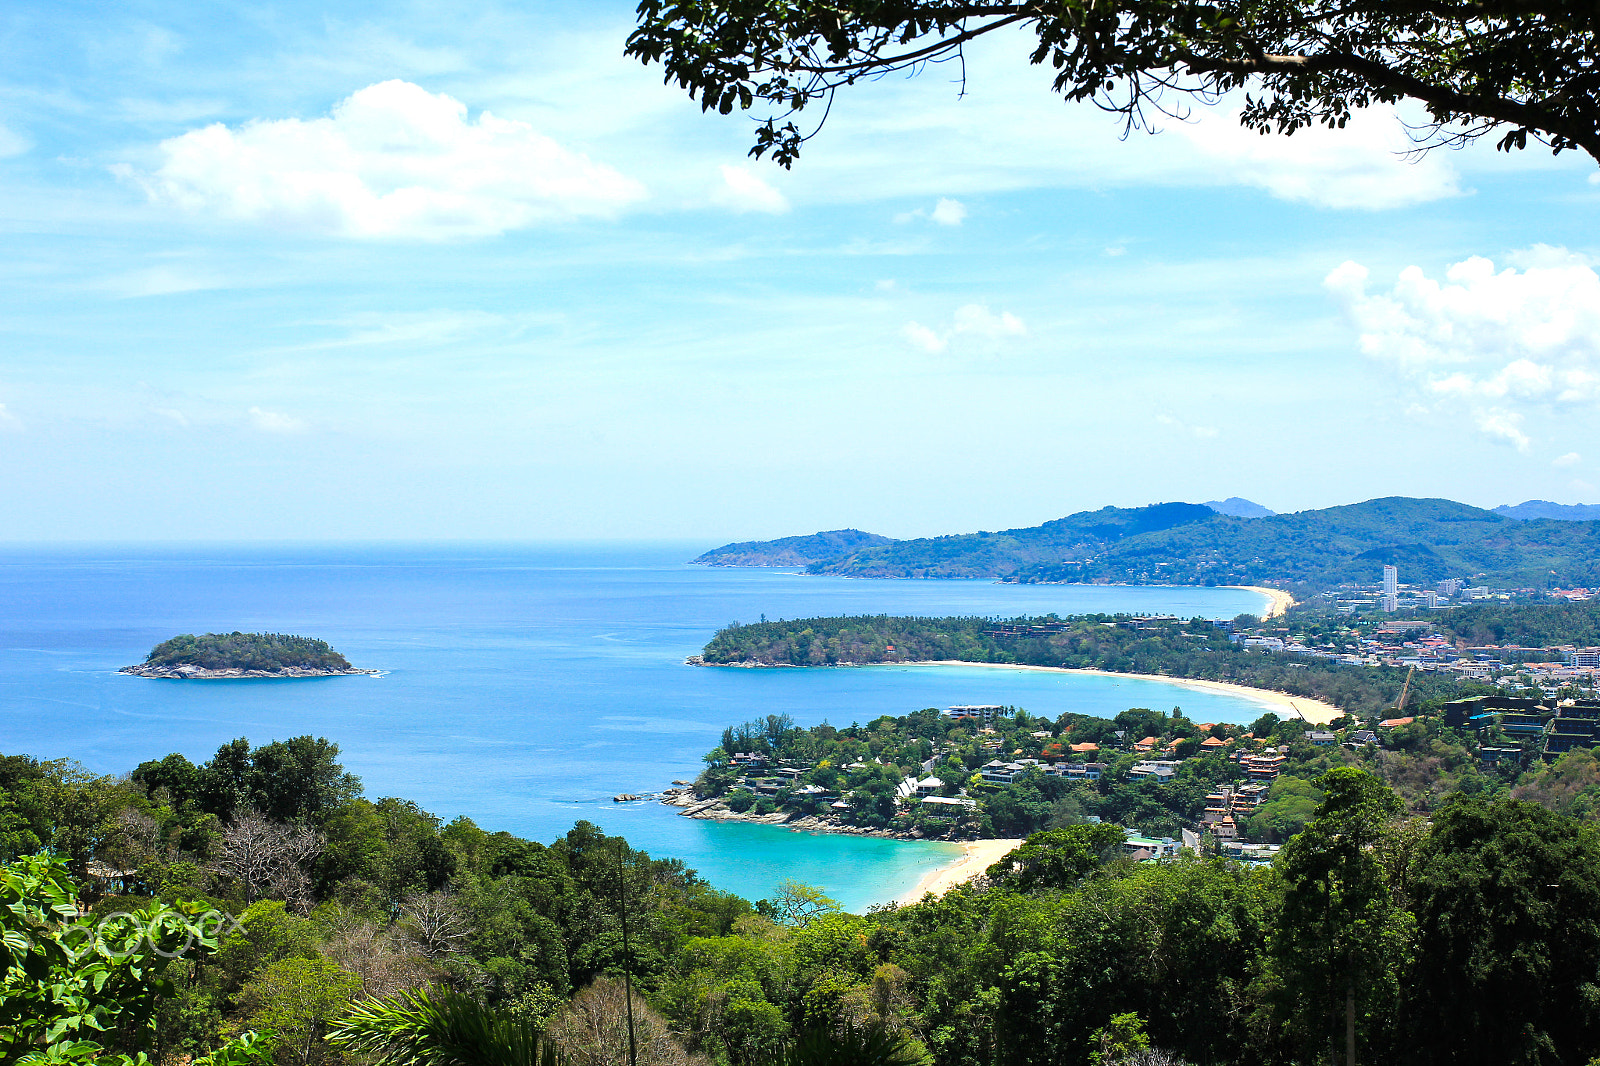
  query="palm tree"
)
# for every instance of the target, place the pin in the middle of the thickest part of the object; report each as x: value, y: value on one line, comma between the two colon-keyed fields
x: 434, y: 1027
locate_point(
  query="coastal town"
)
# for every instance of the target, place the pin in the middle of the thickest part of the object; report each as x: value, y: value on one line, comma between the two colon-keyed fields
x: 972, y: 772
x: 1398, y: 625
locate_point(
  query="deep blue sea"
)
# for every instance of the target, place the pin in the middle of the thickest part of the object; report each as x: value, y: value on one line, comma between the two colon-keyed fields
x: 523, y: 686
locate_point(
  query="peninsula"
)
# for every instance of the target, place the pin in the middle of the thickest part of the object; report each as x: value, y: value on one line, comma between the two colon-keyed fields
x: 793, y: 551
x: 1173, y: 649
x: 216, y: 656
x: 999, y: 773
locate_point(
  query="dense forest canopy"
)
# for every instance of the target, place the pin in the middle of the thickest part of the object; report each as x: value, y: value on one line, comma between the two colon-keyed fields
x: 1191, y: 544
x: 246, y: 651
x: 1531, y: 625
x: 1193, y: 649
x: 1468, y: 936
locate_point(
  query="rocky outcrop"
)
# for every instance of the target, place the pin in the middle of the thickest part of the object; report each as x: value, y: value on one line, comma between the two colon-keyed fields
x: 716, y: 810
x: 191, y: 672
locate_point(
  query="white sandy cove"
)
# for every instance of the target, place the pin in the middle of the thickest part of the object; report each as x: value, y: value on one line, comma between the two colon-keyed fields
x: 980, y: 855
x: 1314, y: 711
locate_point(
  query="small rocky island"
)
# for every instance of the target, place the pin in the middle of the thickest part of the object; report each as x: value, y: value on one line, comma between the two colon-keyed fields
x: 212, y: 656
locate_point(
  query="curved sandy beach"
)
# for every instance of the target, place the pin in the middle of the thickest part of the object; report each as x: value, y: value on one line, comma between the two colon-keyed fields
x: 979, y: 856
x: 1280, y: 703
x: 1281, y: 601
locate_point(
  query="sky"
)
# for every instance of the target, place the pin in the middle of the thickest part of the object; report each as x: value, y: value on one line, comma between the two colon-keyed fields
x: 412, y: 271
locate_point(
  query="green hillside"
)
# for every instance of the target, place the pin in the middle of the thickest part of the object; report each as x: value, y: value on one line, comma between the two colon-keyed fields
x: 792, y: 551
x: 1189, y: 544
x: 1078, y: 537
x: 1193, y: 649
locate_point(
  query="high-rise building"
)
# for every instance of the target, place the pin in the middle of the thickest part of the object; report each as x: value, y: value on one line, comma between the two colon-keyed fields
x: 1391, y: 588
x: 1449, y: 587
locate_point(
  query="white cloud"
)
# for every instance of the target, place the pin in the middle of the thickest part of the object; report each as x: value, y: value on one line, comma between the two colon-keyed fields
x: 9, y: 423
x: 924, y: 338
x: 1570, y: 459
x: 1499, y: 343
x: 275, y: 421
x: 974, y: 322
x: 1362, y: 165
x: 1505, y: 426
x: 978, y: 320
x: 948, y: 212
x: 390, y: 161
x: 744, y: 192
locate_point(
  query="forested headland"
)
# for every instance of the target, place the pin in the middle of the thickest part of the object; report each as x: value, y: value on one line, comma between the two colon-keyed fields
x: 1195, y: 649
x: 354, y: 925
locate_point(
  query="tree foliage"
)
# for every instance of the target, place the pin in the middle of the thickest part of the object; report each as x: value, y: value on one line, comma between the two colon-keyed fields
x: 1469, y: 939
x: 246, y: 651
x: 1521, y: 68
x: 77, y: 988
x: 1507, y: 968
x: 1193, y: 649
x: 436, y: 1027
x: 1057, y: 858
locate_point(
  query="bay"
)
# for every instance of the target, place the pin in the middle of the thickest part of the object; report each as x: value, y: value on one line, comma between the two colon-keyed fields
x: 523, y: 685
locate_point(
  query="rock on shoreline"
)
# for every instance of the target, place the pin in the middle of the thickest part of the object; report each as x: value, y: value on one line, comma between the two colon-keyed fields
x: 191, y: 672
x: 717, y: 810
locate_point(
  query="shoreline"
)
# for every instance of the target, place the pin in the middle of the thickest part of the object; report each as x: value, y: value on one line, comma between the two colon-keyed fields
x: 1280, y: 601
x: 1313, y: 711
x: 190, y: 672
x: 977, y: 856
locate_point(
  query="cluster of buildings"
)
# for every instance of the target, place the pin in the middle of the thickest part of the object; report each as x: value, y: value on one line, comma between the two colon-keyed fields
x: 1551, y: 727
x: 1226, y: 809
x: 1415, y: 644
x: 1390, y: 595
x: 1230, y: 805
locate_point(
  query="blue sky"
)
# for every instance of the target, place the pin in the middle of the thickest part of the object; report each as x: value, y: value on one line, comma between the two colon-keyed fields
x: 404, y: 271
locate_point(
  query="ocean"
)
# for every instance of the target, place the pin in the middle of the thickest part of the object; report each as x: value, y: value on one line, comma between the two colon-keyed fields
x: 523, y: 685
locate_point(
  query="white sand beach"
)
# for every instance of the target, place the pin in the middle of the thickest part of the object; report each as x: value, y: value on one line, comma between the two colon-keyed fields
x: 978, y: 856
x: 1280, y: 703
x: 1281, y: 600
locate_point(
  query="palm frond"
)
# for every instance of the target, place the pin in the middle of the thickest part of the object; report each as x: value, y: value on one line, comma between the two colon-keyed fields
x: 434, y: 1027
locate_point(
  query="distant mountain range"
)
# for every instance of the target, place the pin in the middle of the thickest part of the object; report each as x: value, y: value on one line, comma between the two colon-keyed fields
x: 1560, y: 512
x: 1239, y: 508
x: 1198, y: 544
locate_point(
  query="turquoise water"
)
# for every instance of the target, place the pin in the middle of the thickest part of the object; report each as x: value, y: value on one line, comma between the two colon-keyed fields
x: 523, y: 686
